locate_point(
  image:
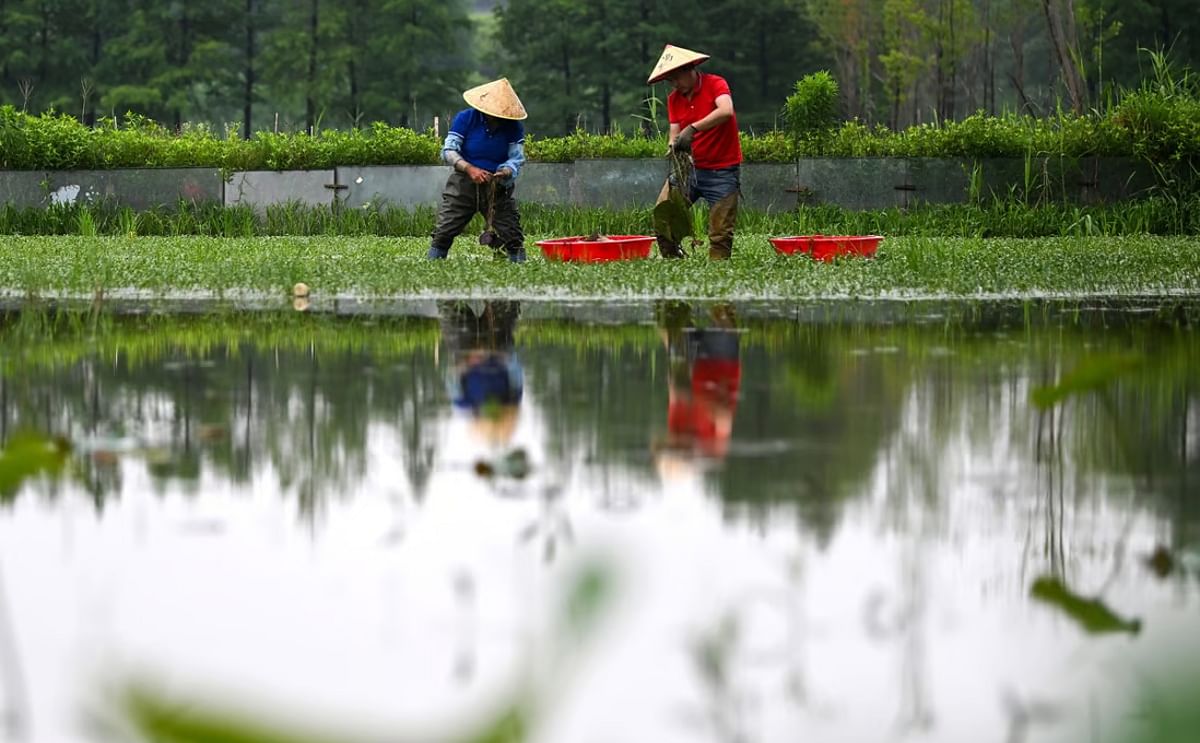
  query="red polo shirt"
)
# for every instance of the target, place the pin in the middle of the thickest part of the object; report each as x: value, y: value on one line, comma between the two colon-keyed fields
x: 718, y: 147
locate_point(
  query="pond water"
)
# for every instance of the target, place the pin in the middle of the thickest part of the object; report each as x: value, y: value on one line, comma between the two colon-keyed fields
x: 659, y: 522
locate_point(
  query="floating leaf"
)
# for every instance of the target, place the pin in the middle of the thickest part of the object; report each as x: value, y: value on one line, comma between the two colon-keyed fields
x: 1091, y: 614
x: 29, y: 455
x: 588, y: 596
x: 1091, y: 375
x: 162, y: 720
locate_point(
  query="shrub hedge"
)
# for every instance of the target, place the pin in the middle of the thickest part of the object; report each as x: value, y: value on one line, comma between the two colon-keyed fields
x: 1162, y: 126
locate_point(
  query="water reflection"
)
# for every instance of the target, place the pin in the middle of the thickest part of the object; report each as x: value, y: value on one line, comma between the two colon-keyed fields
x: 863, y: 528
x: 704, y: 373
x: 484, y: 376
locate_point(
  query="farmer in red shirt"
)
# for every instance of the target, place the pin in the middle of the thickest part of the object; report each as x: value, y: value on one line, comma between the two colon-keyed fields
x: 700, y: 111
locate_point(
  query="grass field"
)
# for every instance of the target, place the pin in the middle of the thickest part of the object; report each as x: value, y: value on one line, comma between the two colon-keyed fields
x: 370, y: 267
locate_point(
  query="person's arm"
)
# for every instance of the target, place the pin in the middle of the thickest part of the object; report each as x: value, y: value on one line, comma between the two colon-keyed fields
x: 452, y: 156
x: 722, y: 112
x: 511, y: 167
x: 672, y: 134
x: 452, y: 152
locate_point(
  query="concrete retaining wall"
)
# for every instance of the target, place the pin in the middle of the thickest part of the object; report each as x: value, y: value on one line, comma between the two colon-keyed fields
x: 262, y: 188
x: 138, y: 188
x: 855, y: 183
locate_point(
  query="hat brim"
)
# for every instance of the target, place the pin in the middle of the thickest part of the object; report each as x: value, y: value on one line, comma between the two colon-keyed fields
x: 507, y: 106
x: 681, y: 66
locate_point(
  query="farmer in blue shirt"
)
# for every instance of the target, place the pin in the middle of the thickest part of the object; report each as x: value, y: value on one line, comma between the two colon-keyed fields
x: 486, y: 148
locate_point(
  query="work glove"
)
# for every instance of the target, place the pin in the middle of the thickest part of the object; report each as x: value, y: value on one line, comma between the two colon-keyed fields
x: 683, y: 141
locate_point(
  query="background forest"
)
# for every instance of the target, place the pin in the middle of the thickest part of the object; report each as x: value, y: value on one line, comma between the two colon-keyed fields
x: 578, y: 64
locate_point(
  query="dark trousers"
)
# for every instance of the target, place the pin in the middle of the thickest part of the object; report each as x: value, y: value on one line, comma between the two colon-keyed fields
x: 462, y: 199
x: 720, y: 189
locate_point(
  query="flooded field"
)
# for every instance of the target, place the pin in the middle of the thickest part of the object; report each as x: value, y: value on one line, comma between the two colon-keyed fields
x: 592, y: 523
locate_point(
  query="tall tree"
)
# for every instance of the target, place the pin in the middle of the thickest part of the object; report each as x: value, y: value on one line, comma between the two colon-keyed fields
x: 1064, y: 40
x: 906, y: 45
x: 421, y: 50
x: 544, y: 41
x: 847, y: 28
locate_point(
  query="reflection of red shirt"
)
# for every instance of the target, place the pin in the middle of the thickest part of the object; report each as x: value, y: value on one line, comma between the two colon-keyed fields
x: 714, y: 382
x: 715, y: 148
x: 717, y: 379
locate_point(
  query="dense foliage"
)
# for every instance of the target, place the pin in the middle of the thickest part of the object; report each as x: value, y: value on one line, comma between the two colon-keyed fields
x: 301, y: 65
x: 1160, y: 122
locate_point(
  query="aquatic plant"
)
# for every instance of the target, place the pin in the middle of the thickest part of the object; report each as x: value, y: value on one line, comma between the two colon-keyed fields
x: 1160, y: 215
x: 387, y: 267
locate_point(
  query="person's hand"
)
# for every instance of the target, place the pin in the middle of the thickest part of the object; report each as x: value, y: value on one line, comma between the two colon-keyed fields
x: 478, y: 175
x: 683, y: 141
x: 503, y: 173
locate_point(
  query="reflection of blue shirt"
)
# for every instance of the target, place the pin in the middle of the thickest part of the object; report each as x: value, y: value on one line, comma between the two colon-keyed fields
x: 497, y: 380
x: 491, y: 150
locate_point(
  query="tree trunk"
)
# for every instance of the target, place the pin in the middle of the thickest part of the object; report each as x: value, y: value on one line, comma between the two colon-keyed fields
x: 3, y: 33
x: 44, y: 43
x: 605, y: 87
x: 355, y: 114
x: 843, y: 59
x: 185, y: 54
x: 356, y: 42
x: 606, y: 107
x: 566, y: 68
x: 989, y: 67
x: 644, y: 58
x: 764, y: 60
x: 1016, y: 40
x: 310, y: 104
x: 1065, y: 43
x: 248, y: 95
x: 895, y: 122
x: 939, y: 54
x: 953, y: 81
x: 864, y: 82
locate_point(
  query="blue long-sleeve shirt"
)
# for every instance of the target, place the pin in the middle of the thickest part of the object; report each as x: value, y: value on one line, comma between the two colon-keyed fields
x: 490, y: 149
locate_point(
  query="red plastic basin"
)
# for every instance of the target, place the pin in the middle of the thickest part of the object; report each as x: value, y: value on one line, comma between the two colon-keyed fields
x: 828, y: 247
x: 612, y: 248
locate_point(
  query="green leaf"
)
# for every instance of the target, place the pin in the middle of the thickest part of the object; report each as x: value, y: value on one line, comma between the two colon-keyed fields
x: 673, y: 218
x: 1091, y: 614
x: 587, y: 597
x: 29, y: 455
x: 1091, y: 375
x: 163, y: 721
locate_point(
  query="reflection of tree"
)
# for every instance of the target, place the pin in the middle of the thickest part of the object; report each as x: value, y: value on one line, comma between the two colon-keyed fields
x: 819, y: 412
x: 234, y: 405
x: 1123, y: 405
x: 819, y: 401
x: 598, y: 402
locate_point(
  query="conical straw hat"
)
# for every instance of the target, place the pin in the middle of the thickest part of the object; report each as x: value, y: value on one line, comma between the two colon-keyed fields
x: 674, y: 57
x: 496, y: 98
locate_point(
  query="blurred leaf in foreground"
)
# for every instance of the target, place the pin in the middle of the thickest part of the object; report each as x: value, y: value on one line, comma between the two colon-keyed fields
x: 29, y: 455
x: 1091, y: 375
x: 156, y: 717
x: 1091, y: 614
